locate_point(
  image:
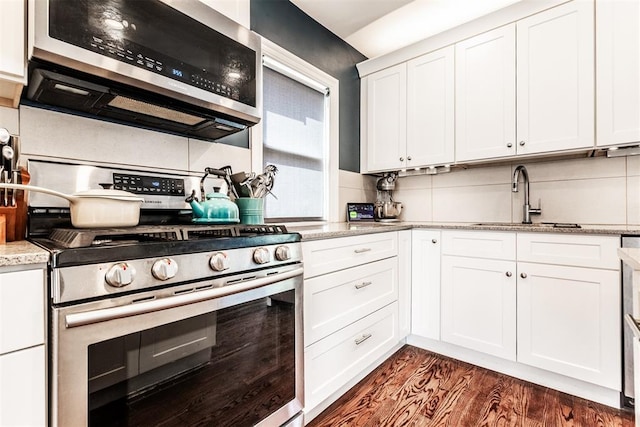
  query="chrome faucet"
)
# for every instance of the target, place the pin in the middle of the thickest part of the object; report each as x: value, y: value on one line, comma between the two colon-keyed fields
x: 527, y: 210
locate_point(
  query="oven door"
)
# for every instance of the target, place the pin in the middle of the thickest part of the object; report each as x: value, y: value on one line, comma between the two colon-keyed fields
x: 223, y: 352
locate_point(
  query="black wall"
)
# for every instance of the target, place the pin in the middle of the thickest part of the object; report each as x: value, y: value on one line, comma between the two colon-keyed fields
x: 284, y: 24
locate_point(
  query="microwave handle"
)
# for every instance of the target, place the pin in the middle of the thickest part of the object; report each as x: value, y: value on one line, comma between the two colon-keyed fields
x: 96, y: 316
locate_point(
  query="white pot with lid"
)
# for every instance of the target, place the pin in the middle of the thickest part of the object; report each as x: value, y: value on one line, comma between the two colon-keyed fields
x: 98, y: 208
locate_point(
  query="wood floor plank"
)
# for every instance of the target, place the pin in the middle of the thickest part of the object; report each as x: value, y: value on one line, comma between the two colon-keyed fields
x: 417, y: 388
x: 365, y: 398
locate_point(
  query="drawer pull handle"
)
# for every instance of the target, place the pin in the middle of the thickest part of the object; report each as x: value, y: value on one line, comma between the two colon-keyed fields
x: 362, y: 339
x: 363, y: 285
x: 362, y: 250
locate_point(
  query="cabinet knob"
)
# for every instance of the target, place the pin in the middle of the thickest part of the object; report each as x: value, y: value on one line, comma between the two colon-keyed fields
x: 402, y: 159
x: 409, y: 158
x: 434, y: 241
x: 521, y: 143
x: 509, y: 145
x: 523, y: 275
x: 508, y: 274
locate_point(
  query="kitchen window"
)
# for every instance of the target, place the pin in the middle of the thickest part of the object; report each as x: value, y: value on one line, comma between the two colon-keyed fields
x: 298, y: 134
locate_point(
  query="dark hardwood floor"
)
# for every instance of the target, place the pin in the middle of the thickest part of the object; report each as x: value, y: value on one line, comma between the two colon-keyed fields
x: 415, y: 387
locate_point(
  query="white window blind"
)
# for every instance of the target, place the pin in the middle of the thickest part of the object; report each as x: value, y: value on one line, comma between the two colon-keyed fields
x: 295, y: 141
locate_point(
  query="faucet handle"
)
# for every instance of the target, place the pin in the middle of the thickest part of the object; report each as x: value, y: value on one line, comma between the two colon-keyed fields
x: 538, y: 210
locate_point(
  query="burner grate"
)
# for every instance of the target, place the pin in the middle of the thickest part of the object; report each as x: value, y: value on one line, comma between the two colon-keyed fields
x: 78, y: 238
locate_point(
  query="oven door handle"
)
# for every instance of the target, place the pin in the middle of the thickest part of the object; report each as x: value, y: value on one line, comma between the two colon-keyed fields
x: 96, y: 316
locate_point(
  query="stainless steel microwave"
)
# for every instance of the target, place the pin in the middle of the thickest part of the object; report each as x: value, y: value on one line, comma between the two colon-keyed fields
x: 173, y: 65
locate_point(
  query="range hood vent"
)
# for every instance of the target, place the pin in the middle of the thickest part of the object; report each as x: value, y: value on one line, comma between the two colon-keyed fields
x: 126, y: 105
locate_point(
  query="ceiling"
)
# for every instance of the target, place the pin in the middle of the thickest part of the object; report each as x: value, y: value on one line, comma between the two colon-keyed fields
x: 376, y: 27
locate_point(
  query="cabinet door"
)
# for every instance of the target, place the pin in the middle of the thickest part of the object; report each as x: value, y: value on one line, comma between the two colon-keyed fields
x: 486, y: 95
x: 425, y: 284
x: 23, y: 388
x: 569, y: 321
x: 555, y: 87
x: 22, y: 308
x: 430, y: 110
x: 387, y: 118
x: 12, y: 45
x: 617, y: 71
x: 479, y: 305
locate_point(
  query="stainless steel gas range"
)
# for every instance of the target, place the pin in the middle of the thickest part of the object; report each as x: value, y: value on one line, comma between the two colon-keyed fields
x: 169, y: 323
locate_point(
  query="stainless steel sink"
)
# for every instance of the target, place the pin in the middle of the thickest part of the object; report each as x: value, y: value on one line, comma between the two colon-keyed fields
x: 537, y: 224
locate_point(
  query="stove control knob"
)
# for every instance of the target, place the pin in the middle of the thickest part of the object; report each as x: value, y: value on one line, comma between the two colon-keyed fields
x: 219, y: 261
x: 119, y: 275
x: 283, y: 253
x: 164, y: 269
x: 261, y: 256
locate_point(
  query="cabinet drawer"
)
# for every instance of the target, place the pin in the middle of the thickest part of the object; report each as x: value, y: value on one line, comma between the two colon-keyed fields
x: 22, y: 308
x: 325, y: 256
x: 573, y: 250
x: 335, y: 300
x: 479, y: 244
x: 335, y: 360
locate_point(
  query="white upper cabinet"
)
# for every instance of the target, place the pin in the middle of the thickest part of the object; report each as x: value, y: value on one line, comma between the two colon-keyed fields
x: 555, y: 84
x: 486, y: 95
x: 386, y: 119
x: 430, y: 109
x: 410, y: 114
x: 527, y: 87
x: 12, y: 51
x: 618, y: 71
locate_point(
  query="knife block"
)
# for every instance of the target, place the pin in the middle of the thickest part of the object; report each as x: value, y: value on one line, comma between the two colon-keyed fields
x: 16, y: 216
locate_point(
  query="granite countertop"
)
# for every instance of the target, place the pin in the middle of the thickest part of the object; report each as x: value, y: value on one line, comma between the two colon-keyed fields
x: 22, y: 253
x: 344, y: 229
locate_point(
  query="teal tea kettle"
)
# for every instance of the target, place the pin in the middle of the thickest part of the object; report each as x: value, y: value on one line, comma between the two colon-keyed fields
x: 216, y: 209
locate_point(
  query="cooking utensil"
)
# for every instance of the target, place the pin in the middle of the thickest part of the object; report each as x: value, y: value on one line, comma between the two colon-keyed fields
x: 95, y: 208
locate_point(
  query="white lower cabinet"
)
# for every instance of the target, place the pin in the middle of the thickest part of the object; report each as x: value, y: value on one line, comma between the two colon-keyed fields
x: 569, y: 321
x: 479, y: 305
x: 332, y: 361
x: 425, y: 283
x: 555, y: 306
x: 351, y: 310
x: 23, y: 398
x: 569, y: 316
x: 335, y: 300
x: 22, y: 388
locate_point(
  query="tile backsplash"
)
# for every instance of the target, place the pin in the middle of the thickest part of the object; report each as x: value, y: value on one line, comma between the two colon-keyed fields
x: 595, y: 190
x: 50, y: 134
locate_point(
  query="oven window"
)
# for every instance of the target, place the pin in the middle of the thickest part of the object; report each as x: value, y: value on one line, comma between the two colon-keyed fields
x: 233, y: 367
